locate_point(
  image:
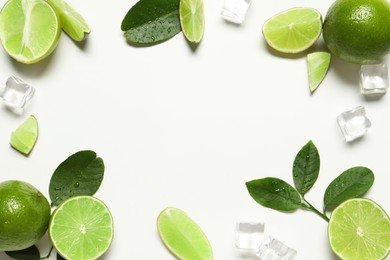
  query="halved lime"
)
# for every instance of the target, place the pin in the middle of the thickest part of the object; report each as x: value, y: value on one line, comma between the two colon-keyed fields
x: 25, y: 136
x: 293, y: 30
x: 29, y: 29
x: 317, y: 66
x: 182, y: 236
x: 359, y: 229
x: 192, y: 19
x: 81, y: 228
x: 71, y: 21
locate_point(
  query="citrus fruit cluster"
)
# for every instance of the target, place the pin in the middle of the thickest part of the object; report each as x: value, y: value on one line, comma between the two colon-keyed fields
x: 30, y: 29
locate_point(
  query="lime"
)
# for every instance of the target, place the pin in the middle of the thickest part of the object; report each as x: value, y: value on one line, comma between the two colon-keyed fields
x: 293, y: 30
x: 71, y: 21
x: 359, y: 229
x: 29, y: 30
x: 182, y: 236
x: 25, y: 136
x: 25, y: 215
x: 358, y: 31
x: 81, y: 228
x: 192, y: 19
x: 317, y: 66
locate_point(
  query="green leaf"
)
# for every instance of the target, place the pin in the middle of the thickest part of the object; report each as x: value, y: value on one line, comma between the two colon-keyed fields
x: 350, y: 184
x: 274, y: 193
x: 31, y: 253
x: 306, y: 168
x: 152, y: 21
x: 80, y: 174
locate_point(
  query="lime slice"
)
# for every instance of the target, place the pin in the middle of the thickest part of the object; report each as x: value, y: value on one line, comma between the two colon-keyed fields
x: 293, y: 30
x: 71, y: 21
x: 24, y: 137
x: 182, y: 236
x: 317, y: 66
x: 81, y: 228
x: 192, y: 19
x: 29, y: 30
x: 359, y: 229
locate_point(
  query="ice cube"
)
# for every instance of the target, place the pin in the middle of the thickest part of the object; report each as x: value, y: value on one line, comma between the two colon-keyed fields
x: 273, y: 249
x: 235, y: 10
x: 374, y: 79
x: 16, y: 94
x: 249, y: 235
x: 353, y: 123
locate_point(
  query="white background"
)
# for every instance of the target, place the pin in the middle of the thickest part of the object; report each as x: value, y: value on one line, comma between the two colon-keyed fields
x: 183, y: 128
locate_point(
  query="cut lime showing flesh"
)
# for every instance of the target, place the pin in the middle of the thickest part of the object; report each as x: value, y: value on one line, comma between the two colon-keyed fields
x: 359, y: 229
x: 317, y: 66
x: 25, y: 136
x: 81, y: 228
x: 29, y: 29
x: 293, y: 30
x: 182, y: 236
x: 192, y: 19
x: 71, y: 21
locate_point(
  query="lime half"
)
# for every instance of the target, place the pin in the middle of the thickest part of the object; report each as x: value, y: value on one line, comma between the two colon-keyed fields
x: 29, y: 29
x: 317, y: 66
x: 192, y: 19
x: 359, y: 229
x: 81, y: 228
x: 182, y: 236
x: 293, y: 30
x: 71, y: 21
x: 25, y: 136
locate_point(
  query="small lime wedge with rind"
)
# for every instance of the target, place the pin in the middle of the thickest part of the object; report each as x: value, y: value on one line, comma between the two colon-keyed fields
x: 71, y: 21
x: 317, y: 66
x: 192, y: 19
x: 29, y: 30
x: 182, y: 236
x: 23, y: 139
x: 293, y: 30
x: 359, y: 229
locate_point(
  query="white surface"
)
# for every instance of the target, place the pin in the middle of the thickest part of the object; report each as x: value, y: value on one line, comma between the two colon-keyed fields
x: 188, y: 129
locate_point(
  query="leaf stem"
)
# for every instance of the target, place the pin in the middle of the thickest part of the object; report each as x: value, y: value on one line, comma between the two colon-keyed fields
x: 313, y: 209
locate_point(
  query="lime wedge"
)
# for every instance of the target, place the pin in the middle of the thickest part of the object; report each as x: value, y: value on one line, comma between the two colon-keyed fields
x: 317, y: 66
x: 182, y: 236
x: 81, y: 228
x: 29, y: 30
x: 71, y: 21
x: 293, y: 30
x: 24, y: 137
x: 192, y: 19
x: 359, y: 229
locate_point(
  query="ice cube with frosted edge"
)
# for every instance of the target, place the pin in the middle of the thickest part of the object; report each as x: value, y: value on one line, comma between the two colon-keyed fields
x: 353, y: 123
x: 249, y: 235
x: 374, y: 79
x: 16, y: 94
x: 273, y: 249
x: 235, y: 10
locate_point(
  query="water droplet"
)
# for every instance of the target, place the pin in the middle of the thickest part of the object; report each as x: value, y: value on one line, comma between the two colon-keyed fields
x: 153, y: 39
x: 76, y: 185
x: 169, y: 30
x: 57, y: 188
x: 149, y: 22
x: 295, y: 175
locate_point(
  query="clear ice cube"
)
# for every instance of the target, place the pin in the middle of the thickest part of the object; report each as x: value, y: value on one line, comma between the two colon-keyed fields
x: 235, y: 10
x: 16, y: 94
x: 249, y: 235
x: 273, y: 249
x: 353, y: 123
x: 374, y: 79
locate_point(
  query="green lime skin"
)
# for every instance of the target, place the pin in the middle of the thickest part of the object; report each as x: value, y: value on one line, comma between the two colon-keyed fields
x: 24, y: 215
x: 358, y: 31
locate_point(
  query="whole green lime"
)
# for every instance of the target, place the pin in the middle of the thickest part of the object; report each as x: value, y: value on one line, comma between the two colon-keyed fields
x: 24, y: 215
x: 358, y: 31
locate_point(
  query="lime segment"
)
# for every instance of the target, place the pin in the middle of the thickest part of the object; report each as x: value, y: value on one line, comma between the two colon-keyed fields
x: 81, y: 228
x: 182, y: 236
x: 29, y: 29
x: 293, y: 30
x: 71, y: 21
x: 192, y: 19
x: 359, y: 229
x: 25, y: 136
x: 317, y: 66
